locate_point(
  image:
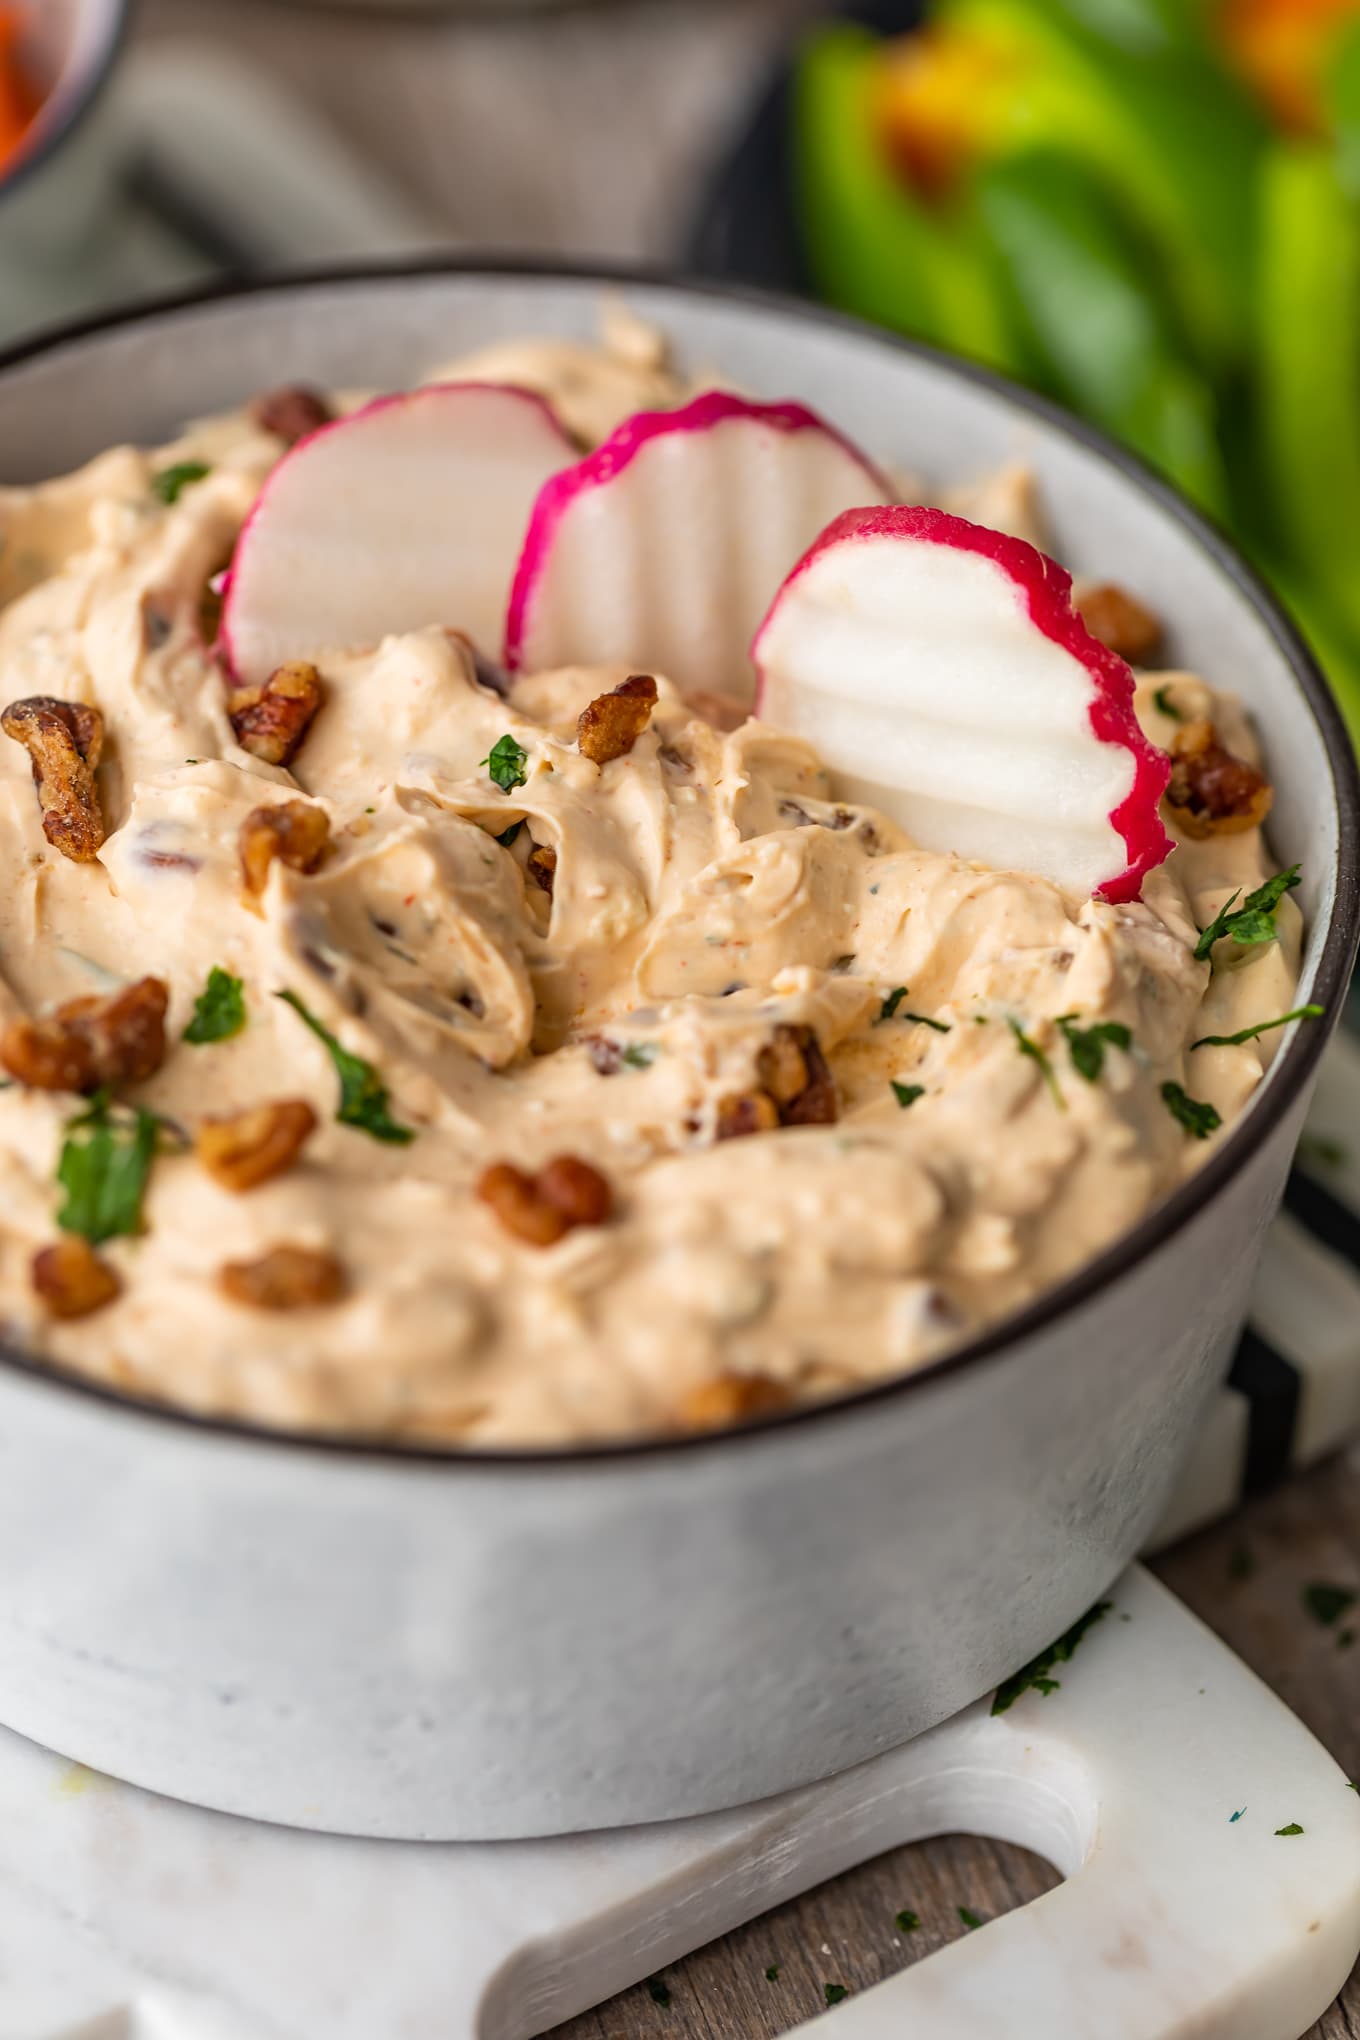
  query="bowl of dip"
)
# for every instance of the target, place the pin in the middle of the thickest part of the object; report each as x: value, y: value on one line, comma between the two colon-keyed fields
x: 465, y: 1550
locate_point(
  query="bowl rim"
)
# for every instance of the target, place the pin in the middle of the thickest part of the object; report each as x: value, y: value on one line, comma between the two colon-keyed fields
x: 77, y: 103
x: 1245, y: 1139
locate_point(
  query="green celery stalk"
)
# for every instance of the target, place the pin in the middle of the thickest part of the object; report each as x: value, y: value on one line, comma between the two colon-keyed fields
x: 1087, y: 295
x: 873, y: 248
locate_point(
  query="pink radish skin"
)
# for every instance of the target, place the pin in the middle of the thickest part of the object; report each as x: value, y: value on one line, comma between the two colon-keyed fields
x: 405, y: 514
x: 663, y: 547
x: 944, y: 674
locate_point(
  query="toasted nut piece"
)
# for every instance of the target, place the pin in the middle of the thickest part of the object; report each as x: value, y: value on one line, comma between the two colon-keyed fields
x: 795, y: 1073
x: 63, y: 740
x: 737, y: 1117
x: 1120, y: 621
x: 271, y: 721
x: 290, y: 412
x: 1211, y: 792
x: 298, y: 834
x: 249, y: 1147
x: 542, y: 866
x: 732, y: 1399
x: 541, y: 1209
x: 71, y: 1279
x: 90, y: 1042
x: 613, y: 722
x: 286, y: 1278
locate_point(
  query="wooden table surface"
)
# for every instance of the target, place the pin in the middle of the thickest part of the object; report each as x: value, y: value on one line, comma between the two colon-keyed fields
x: 586, y: 132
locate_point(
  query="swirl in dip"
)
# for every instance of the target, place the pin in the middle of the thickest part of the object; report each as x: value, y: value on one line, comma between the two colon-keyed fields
x: 678, y: 965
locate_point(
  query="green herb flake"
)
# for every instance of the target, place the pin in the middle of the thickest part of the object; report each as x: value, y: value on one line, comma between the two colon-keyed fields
x: 658, y: 1991
x: 1236, y: 1816
x: 772, y: 1973
x: 1327, y: 1603
x: 507, y: 836
x: 1261, y: 1027
x: 1087, y: 1044
x: 219, y: 1009
x: 171, y: 482
x: 834, y: 1992
x: 924, y: 1020
x: 1034, y: 1675
x: 907, y: 1922
x: 969, y: 1917
x: 907, y: 1094
x: 1197, y: 1117
x: 105, y: 1162
x: 1254, y: 920
x: 1028, y: 1046
x: 363, y: 1095
x: 506, y: 762
x: 1166, y: 705
x: 639, y: 1055
x: 891, y: 1004
x: 1292, y: 1829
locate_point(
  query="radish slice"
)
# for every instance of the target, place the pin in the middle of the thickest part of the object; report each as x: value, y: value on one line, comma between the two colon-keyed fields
x: 945, y: 677
x: 664, y: 547
x: 407, y: 513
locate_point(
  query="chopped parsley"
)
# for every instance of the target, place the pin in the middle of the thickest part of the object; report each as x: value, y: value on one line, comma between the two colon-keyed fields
x: 907, y: 1094
x: 1167, y: 706
x: 924, y: 1020
x: 639, y: 1055
x: 834, y: 1992
x: 505, y: 762
x: 219, y: 1009
x: 1254, y: 920
x: 1292, y: 1829
x: 169, y: 485
x: 772, y: 1973
x: 105, y: 1162
x: 658, y: 1991
x: 907, y: 1922
x: 969, y: 1917
x: 1087, y: 1044
x: 507, y: 836
x: 1327, y: 1603
x: 1236, y: 1816
x: 363, y: 1095
x: 1197, y: 1117
x: 891, y: 1003
x: 1028, y: 1046
x: 1035, y: 1675
x: 1261, y: 1027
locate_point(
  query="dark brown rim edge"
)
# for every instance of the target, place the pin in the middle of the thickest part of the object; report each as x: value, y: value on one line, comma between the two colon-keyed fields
x: 1287, y: 1079
x: 78, y: 105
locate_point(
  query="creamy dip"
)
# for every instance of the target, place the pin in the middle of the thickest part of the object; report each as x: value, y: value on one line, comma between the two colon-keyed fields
x: 708, y: 890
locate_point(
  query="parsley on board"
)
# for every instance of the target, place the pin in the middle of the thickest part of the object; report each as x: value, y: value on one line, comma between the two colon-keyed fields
x: 1292, y: 1829
x: 1198, y: 1118
x: 907, y: 1094
x: 1087, y: 1044
x: 219, y: 1009
x: 658, y: 1991
x: 507, y: 836
x: 363, y: 1095
x: 907, y: 1922
x: 1254, y: 920
x: 969, y: 1917
x: 1236, y: 1816
x: 1028, y: 1046
x: 105, y: 1162
x: 1162, y: 697
x: 169, y: 485
x: 772, y: 1973
x: 1034, y: 1675
x: 1327, y: 1603
x: 834, y: 1992
x: 505, y: 762
x: 1261, y: 1027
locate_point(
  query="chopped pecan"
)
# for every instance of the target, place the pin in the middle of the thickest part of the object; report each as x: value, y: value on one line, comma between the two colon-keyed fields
x: 290, y: 412
x: 1211, y: 792
x: 732, y: 1399
x: 285, y: 1278
x: 541, y: 1209
x: 292, y: 831
x: 91, y: 1042
x: 63, y: 740
x: 737, y: 1117
x: 271, y: 721
x: 542, y: 866
x: 249, y: 1147
x: 795, y: 1073
x: 71, y: 1279
x: 612, y: 723
x: 1120, y: 621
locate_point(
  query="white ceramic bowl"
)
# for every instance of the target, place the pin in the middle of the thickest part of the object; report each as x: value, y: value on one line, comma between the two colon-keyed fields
x: 447, y: 1644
